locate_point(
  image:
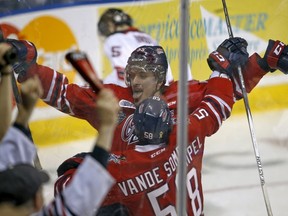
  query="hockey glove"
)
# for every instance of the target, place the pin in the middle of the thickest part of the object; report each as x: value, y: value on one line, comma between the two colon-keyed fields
x: 276, y: 57
x: 229, y: 54
x: 26, y: 53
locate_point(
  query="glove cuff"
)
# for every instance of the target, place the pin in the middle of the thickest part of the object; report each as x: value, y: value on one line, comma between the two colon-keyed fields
x: 270, y: 61
x: 274, y: 49
x: 262, y: 62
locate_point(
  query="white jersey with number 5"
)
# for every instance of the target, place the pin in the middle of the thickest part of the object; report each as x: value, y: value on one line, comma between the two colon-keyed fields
x: 118, y: 48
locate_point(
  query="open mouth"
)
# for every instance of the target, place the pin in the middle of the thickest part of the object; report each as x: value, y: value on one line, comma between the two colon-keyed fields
x: 137, y: 94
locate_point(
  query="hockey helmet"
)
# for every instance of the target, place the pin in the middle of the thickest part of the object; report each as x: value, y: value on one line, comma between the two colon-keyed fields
x: 152, y: 121
x: 149, y: 59
x: 114, y: 15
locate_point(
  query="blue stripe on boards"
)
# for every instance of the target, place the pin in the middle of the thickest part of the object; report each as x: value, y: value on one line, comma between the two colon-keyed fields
x: 30, y: 8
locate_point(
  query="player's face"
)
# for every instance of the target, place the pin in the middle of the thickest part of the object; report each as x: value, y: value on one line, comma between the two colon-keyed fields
x: 143, y: 84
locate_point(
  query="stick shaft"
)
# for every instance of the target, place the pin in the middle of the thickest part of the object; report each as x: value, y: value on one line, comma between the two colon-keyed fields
x: 250, y: 120
x: 255, y: 144
x: 227, y: 19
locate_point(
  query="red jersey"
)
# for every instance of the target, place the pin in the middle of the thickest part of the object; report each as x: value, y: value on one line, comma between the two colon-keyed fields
x: 146, y: 179
x: 78, y: 101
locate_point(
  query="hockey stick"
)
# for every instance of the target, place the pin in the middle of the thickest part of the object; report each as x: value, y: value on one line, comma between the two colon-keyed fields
x: 18, y: 100
x: 250, y: 120
x: 81, y: 63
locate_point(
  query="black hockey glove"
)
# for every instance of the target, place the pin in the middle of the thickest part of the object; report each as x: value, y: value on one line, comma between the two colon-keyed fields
x: 229, y: 54
x: 9, y: 57
x: 276, y: 57
x: 26, y: 53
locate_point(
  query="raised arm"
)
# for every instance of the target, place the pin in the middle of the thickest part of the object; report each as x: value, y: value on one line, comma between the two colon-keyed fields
x: 66, y: 97
x: 31, y: 91
x: 233, y: 51
x: 5, y: 90
x: 90, y: 183
x: 16, y: 146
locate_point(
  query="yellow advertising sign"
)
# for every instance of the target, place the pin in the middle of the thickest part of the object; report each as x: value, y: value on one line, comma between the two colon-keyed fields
x: 256, y: 21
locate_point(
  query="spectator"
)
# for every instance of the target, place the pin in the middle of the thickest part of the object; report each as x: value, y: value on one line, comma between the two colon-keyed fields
x: 146, y: 176
x: 21, y: 190
x: 21, y: 183
x: 5, y: 90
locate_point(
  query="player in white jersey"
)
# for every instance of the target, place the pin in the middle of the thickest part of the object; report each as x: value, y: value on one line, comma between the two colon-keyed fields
x: 121, y: 39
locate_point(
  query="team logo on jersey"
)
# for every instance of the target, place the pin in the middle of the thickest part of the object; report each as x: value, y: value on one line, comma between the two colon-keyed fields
x: 116, y: 158
x: 121, y: 116
x: 126, y: 104
x: 127, y: 133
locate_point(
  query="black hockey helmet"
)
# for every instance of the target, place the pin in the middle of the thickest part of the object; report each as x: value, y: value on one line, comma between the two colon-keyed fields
x: 114, y: 15
x: 152, y: 121
x: 149, y: 59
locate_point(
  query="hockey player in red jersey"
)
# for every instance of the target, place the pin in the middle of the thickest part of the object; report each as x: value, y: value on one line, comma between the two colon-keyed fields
x: 145, y: 76
x: 146, y: 176
x: 146, y: 173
